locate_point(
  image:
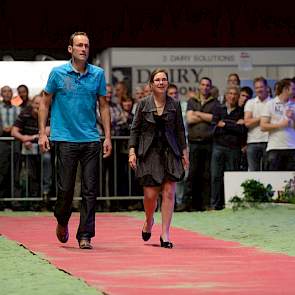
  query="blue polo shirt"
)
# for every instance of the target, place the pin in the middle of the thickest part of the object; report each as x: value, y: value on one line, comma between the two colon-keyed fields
x: 73, y: 108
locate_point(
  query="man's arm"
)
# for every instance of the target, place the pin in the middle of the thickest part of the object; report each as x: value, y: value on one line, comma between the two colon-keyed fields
x: 16, y: 133
x: 206, y: 117
x: 251, y: 122
x: 106, y: 123
x: 265, y: 124
x: 192, y: 117
x: 42, y: 120
x: 27, y: 140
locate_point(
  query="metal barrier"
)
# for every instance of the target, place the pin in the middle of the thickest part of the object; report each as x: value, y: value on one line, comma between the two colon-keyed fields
x: 108, y: 186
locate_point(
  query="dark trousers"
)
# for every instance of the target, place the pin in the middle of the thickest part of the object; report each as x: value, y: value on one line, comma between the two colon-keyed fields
x: 199, y: 174
x: 223, y: 159
x: 7, y: 180
x: 68, y: 155
x: 34, y: 173
x: 5, y: 169
x: 256, y: 154
x: 281, y: 160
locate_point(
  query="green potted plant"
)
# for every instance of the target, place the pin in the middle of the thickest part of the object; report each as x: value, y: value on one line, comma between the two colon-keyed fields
x: 254, y: 193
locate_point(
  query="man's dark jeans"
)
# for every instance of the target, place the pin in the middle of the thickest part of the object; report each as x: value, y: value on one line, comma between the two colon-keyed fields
x: 223, y: 159
x: 199, y: 174
x: 281, y: 160
x: 256, y: 155
x: 68, y: 155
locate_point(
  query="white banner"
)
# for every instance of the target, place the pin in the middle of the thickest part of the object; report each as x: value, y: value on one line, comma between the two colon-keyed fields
x: 201, y: 57
x: 34, y: 74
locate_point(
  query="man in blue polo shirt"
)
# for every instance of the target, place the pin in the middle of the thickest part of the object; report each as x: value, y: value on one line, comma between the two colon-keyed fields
x: 72, y: 91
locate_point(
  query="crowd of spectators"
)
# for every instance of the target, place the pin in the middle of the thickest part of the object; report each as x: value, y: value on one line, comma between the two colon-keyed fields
x: 236, y: 132
x: 244, y: 129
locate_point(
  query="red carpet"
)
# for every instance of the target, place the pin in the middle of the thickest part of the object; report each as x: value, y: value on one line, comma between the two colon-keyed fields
x: 121, y: 263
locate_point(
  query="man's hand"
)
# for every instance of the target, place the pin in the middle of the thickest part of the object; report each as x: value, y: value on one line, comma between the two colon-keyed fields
x: 290, y: 114
x: 28, y: 145
x: 221, y: 124
x: 240, y: 122
x: 44, y: 143
x: 285, y: 123
x: 107, y: 147
x: 29, y: 138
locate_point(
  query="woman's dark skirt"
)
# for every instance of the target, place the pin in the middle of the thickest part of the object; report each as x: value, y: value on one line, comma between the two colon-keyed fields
x: 159, y: 165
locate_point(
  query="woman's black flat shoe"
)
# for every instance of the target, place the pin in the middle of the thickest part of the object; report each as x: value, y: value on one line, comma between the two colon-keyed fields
x: 146, y: 236
x: 168, y: 245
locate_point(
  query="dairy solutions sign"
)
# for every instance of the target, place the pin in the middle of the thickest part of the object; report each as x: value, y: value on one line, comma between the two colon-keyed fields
x: 125, y: 57
x: 204, y: 59
x: 162, y: 57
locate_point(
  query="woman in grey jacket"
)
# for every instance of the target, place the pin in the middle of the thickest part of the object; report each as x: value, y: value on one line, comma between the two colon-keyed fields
x: 158, y: 152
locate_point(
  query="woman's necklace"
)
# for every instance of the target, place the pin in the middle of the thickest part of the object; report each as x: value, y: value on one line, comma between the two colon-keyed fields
x: 160, y: 105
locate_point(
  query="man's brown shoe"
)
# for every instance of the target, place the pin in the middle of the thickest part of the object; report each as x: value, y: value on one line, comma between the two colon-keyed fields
x: 62, y: 233
x: 85, y: 244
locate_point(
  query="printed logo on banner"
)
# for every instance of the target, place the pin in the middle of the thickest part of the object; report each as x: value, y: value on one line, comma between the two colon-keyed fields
x: 185, y: 78
x: 245, y: 61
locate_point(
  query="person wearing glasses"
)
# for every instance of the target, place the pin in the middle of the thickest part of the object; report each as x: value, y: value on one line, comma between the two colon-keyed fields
x: 158, y: 152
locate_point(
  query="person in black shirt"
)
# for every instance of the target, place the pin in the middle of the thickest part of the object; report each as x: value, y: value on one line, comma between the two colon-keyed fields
x: 228, y: 132
x: 25, y: 129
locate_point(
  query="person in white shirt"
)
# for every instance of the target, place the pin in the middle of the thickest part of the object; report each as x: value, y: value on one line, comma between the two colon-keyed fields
x: 256, y: 139
x: 278, y: 119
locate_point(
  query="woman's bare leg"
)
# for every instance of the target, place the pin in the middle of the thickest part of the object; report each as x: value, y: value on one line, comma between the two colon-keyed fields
x: 150, y: 204
x: 168, y: 199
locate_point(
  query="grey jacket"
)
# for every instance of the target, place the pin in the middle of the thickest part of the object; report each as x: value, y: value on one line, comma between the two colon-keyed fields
x: 143, y: 126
